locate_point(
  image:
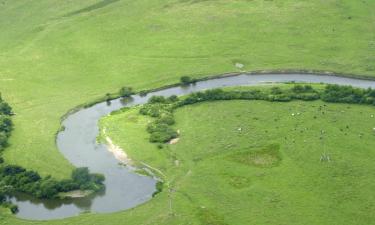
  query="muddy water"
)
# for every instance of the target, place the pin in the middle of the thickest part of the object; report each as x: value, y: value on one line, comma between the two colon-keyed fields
x: 125, y: 189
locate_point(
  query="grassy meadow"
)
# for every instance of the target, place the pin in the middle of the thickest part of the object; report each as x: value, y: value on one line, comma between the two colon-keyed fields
x: 253, y: 162
x: 55, y: 55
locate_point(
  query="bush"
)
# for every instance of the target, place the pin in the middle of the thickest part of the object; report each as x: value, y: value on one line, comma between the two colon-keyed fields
x: 157, y: 99
x: 166, y: 119
x: 67, y: 185
x: 126, y: 91
x: 13, y: 208
x: 161, y: 132
x: 344, y: 94
x: 186, y: 80
x: 276, y: 91
x: 279, y: 98
x: 48, y: 188
x: 143, y: 93
x: 5, y: 109
x: 159, y: 188
x: 302, y: 89
x: 307, y: 96
x: 172, y: 98
x: 3, y: 140
x: 81, y: 175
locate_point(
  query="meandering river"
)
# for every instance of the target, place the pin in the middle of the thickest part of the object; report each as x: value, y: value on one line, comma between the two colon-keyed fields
x: 125, y: 189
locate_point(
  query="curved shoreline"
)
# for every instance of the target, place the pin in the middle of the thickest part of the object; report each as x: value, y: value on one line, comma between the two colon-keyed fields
x: 125, y: 189
x: 211, y: 77
x: 222, y: 75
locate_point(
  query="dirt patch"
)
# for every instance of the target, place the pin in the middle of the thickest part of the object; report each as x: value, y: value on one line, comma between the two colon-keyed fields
x: 118, y: 152
x: 174, y: 141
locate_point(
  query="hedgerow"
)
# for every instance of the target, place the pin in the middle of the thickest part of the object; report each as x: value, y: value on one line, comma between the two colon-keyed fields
x: 162, y: 108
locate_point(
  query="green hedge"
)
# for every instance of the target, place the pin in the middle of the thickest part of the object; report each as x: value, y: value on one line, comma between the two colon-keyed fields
x: 162, y: 108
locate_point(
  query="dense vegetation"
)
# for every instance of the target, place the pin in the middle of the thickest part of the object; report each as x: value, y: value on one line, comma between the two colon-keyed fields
x: 255, y: 162
x: 15, y: 178
x: 5, y: 124
x: 161, y: 108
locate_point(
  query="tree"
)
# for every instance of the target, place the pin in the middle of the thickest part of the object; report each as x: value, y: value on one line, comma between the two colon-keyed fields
x: 185, y: 80
x: 48, y: 188
x: 81, y: 175
x: 5, y: 124
x: 126, y: 91
x: 5, y: 108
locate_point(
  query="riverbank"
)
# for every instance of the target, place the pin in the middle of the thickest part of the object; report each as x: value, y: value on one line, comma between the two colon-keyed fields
x: 222, y: 155
x: 117, y: 151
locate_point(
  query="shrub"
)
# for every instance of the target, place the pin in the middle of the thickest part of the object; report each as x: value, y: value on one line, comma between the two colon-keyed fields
x: 5, y: 108
x: 159, y: 188
x: 161, y: 132
x: 3, y: 140
x: 126, y: 91
x: 67, y: 185
x: 279, y: 98
x: 13, y: 208
x: 48, y: 188
x: 276, y: 91
x: 302, y: 89
x: 157, y: 99
x: 344, y: 94
x: 81, y: 175
x: 166, y: 119
x: 143, y: 93
x: 185, y: 80
x: 307, y: 96
x: 172, y: 98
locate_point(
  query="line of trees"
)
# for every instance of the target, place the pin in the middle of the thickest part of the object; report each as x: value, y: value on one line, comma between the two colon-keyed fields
x: 161, y: 108
x: 19, y: 179
x: 348, y: 94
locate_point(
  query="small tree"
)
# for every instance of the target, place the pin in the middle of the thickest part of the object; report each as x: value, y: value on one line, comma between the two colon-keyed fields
x: 126, y: 91
x: 81, y: 175
x: 185, y: 80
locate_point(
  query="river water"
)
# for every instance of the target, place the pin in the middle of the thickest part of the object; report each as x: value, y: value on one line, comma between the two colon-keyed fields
x: 125, y: 189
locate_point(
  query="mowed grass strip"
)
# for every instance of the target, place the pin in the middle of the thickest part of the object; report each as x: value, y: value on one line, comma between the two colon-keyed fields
x: 56, y: 55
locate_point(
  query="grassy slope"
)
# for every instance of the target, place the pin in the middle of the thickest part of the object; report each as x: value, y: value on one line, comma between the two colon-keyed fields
x: 55, y: 55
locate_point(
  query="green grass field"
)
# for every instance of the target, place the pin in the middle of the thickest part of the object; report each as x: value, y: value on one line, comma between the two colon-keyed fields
x: 55, y: 55
x: 251, y: 162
